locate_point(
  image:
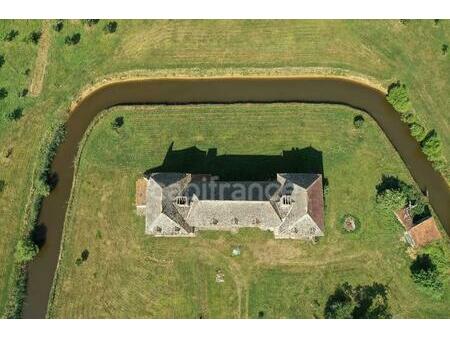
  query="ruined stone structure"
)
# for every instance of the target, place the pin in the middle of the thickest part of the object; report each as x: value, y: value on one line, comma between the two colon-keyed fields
x: 179, y: 204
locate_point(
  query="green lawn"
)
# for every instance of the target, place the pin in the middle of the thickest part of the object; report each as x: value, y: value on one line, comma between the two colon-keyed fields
x: 129, y: 274
x: 383, y: 50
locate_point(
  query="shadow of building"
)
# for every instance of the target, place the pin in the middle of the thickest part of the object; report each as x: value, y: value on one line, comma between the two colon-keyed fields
x: 230, y: 167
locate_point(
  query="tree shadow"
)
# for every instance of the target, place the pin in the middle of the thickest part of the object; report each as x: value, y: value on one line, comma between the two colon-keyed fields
x: 389, y: 183
x: 39, y: 235
x: 231, y: 167
x: 422, y: 263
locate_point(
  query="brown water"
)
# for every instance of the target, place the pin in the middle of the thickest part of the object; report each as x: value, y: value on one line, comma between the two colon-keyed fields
x: 217, y: 90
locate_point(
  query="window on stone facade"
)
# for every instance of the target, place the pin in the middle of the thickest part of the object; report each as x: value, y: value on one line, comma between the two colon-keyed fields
x: 181, y: 200
x: 286, y: 200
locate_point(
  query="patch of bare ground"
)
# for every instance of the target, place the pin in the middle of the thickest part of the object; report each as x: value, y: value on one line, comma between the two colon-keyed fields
x: 37, y: 81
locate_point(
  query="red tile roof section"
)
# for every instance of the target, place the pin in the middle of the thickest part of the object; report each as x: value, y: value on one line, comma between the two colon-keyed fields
x: 315, y: 202
x: 425, y: 232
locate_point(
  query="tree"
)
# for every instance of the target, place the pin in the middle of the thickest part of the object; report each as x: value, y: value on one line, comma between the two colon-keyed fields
x: 341, y: 303
x: 11, y: 35
x: 398, y: 97
x: 2, y: 60
x: 417, y: 131
x: 15, y: 115
x: 25, y: 250
x: 425, y: 273
x: 358, y: 121
x: 110, y: 27
x: 394, y: 194
x: 392, y: 200
x: 444, y: 48
x: 58, y: 26
x: 2, y: 185
x: 362, y: 301
x: 431, y: 145
x: 117, y: 123
x: 35, y: 36
x: 72, y: 39
x: 3, y: 93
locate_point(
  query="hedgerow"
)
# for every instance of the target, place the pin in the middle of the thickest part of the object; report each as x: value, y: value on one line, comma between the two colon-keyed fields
x: 430, y: 143
x: 26, y: 249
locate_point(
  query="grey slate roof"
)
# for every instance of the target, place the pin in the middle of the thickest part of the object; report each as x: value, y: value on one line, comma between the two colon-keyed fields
x: 180, y: 204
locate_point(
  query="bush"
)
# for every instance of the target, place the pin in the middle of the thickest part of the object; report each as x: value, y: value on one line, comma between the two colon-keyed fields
x: 72, y: 39
x: 118, y: 122
x: 110, y: 27
x: 85, y: 255
x: 417, y: 131
x: 3, y: 93
x: 425, y: 274
x: 83, y: 258
x: 90, y: 22
x: 15, y: 115
x: 408, y: 118
x: 11, y: 35
x: 344, y: 226
x: 358, y: 121
x: 2, y: 185
x: 398, y: 97
x: 35, y: 36
x: 2, y: 60
x: 362, y: 301
x: 23, y: 93
x: 444, y: 49
x: 58, y: 26
x: 431, y: 145
x: 25, y: 250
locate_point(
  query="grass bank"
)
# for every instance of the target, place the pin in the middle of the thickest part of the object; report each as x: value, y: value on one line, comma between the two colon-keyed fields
x: 164, y: 278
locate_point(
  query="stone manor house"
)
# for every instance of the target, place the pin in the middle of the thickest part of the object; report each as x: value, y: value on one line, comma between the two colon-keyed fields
x: 180, y: 204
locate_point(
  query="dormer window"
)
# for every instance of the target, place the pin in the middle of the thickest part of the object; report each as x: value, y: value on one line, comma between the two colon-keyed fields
x: 181, y: 201
x: 286, y: 200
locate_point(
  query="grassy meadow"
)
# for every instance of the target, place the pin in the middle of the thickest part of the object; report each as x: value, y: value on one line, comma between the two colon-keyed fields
x: 384, y: 50
x: 129, y: 274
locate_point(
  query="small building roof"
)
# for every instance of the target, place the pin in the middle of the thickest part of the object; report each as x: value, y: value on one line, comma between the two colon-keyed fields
x: 425, y: 232
x: 405, y: 218
x: 315, y: 202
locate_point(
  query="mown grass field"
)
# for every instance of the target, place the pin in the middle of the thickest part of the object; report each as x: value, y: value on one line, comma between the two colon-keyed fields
x: 384, y: 50
x: 129, y: 274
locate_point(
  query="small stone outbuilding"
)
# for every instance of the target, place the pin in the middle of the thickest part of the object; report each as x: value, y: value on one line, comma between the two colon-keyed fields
x: 419, y: 234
